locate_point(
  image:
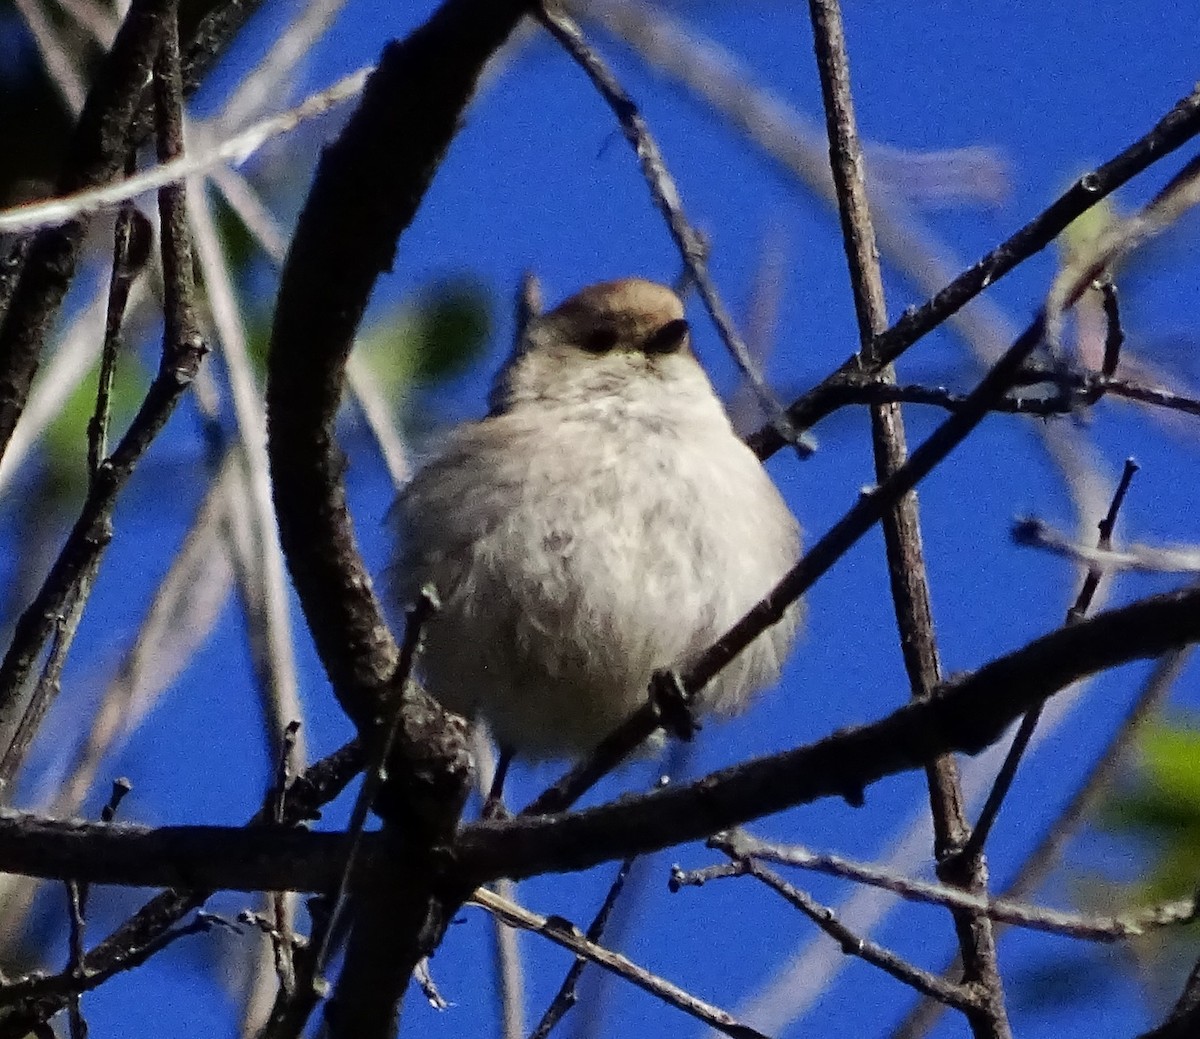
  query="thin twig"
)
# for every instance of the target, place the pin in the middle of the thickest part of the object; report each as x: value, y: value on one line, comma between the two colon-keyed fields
x: 183, y: 349
x: 260, y: 86
x: 293, y: 1008
x: 567, y: 995
x: 1114, y: 337
x: 179, y: 619
x: 282, y: 937
x: 1172, y: 131
x: 961, y: 996
x: 49, y: 683
x: 418, y: 615
x: 569, y: 937
x: 1035, y: 533
x: 1050, y: 848
x: 233, y: 150
x: 75, y: 959
x: 1069, y: 392
x: 131, y: 249
x: 1077, y: 611
x: 665, y: 194
x: 1121, y: 237
x: 738, y: 845
x: 69, y: 985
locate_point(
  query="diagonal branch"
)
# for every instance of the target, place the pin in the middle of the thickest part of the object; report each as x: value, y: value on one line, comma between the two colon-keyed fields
x: 182, y: 351
x: 665, y: 194
x: 563, y: 933
x: 945, y: 992
x: 1172, y: 131
x: 965, y: 715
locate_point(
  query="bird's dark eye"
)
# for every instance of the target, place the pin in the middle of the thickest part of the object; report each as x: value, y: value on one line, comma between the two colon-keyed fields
x: 667, y: 339
x: 601, y: 340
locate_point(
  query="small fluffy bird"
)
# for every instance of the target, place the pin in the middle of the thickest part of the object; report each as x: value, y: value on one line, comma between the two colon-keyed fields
x: 603, y: 522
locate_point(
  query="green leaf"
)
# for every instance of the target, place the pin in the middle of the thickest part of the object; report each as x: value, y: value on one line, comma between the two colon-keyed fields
x: 65, y: 441
x: 435, y: 338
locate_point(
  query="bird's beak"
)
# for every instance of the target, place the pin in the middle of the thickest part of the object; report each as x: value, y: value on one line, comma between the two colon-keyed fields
x: 667, y: 339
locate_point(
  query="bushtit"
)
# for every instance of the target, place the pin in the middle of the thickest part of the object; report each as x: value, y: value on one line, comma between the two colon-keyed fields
x: 603, y: 522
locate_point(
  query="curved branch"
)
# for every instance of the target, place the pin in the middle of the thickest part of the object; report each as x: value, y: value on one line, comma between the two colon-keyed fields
x: 367, y: 189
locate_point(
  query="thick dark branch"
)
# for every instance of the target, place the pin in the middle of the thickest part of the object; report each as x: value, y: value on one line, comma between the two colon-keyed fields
x: 152, y: 926
x: 183, y: 348
x: 966, y: 715
x: 1176, y: 128
x: 96, y: 155
x: 367, y: 189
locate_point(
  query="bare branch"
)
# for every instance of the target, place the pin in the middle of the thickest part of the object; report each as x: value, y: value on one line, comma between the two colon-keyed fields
x: 962, y: 997
x: 230, y: 151
x: 965, y: 715
x: 565, y: 934
x: 844, y: 763
x: 901, y: 525
x: 97, y: 152
x: 182, y: 351
x: 665, y: 194
x: 566, y: 996
x: 1036, y: 533
x: 741, y: 846
x: 1078, y: 610
x: 152, y: 927
x: 1175, y: 129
